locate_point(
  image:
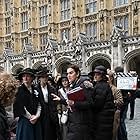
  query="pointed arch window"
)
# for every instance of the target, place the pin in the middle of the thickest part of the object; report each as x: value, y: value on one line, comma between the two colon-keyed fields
x: 24, y: 21
x: 91, y: 6
x: 91, y: 30
x: 24, y: 41
x: 120, y: 2
x: 8, y: 25
x: 43, y: 15
x: 7, y: 5
x: 123, y: 22
x: 65, y: 9
x: 24, y: 2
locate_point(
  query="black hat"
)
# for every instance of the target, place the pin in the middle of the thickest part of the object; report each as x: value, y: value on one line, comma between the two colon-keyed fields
x: 43, y: 72
x: 26, y: 71
x: 63, y: 76
x: 100, y: 69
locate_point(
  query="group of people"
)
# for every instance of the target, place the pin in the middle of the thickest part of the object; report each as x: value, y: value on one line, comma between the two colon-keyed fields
x: 38, y: 107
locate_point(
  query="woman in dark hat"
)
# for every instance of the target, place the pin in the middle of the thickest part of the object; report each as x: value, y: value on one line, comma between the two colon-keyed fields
x: 103, y: 106
x: 49, y: 116
x: 27, y: 108
x: 62, y: 93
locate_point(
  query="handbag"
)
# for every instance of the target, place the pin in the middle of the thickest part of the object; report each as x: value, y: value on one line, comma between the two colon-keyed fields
x: 64, y: 117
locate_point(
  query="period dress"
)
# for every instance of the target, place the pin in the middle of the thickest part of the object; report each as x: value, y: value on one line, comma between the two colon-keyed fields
x: 27, y: 102
x: 49, y: 114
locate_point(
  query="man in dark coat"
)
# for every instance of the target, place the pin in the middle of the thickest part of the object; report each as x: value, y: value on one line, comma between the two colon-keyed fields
x: 49, y: 116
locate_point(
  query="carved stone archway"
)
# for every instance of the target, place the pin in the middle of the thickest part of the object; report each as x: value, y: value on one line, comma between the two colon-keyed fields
x: 103, y: 57
x: 62, y: 63
x: 131, y: 55
x: 132, y: 60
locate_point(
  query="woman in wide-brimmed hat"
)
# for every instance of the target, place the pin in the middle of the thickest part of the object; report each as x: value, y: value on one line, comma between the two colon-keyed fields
x: 27, y: 108
x: 28, y: 71
x: 49, y: 116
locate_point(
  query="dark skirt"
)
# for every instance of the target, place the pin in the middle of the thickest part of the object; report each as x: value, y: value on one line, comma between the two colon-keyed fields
x: 78, y: 132
x: 49, y: 127
x: 28, y: 131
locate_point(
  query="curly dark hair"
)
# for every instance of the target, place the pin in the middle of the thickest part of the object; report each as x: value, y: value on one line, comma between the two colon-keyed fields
x: 8, y: 88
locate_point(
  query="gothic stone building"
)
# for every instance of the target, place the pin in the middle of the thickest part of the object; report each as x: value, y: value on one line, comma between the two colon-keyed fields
x: 59, y: 32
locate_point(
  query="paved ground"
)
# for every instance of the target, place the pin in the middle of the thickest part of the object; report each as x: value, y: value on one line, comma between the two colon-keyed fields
x: 133, y: 126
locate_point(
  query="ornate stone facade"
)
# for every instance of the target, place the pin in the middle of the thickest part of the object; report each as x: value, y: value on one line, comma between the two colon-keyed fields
x: 108, y: 45
x: 119, y: 51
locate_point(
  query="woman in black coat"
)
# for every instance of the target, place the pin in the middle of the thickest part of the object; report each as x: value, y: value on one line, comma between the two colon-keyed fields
x: 27, y: 108
x: 8, y: 88
x: 103, y: 106
x: 79, y: 114
x: 79, y: 119
x: 49, y: 115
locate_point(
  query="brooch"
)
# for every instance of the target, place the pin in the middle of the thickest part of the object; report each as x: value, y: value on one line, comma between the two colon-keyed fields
x: 36, y: 93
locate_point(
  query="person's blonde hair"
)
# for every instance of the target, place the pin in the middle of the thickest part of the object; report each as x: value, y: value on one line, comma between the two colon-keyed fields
x: 8, y: 88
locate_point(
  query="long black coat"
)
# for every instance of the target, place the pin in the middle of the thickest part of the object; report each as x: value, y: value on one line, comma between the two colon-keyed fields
x: 4, y: 129
x: 103, y: 111
x: 24, y: 98
x: 79, y: 118
x: 49, y: 115
x: 30, y: 100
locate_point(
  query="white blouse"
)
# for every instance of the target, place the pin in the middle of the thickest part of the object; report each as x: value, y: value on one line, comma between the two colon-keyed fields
x: 45, y: 93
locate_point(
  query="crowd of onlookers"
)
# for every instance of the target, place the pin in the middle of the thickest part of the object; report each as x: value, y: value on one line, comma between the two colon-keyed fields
x: 43, y: 109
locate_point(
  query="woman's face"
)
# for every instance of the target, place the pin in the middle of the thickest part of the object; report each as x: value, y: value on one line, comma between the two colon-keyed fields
x: 27, y: 79
x: 98, y: 77
x: 44, y: 79
x: 65, y: 82
x: 71, y: 75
